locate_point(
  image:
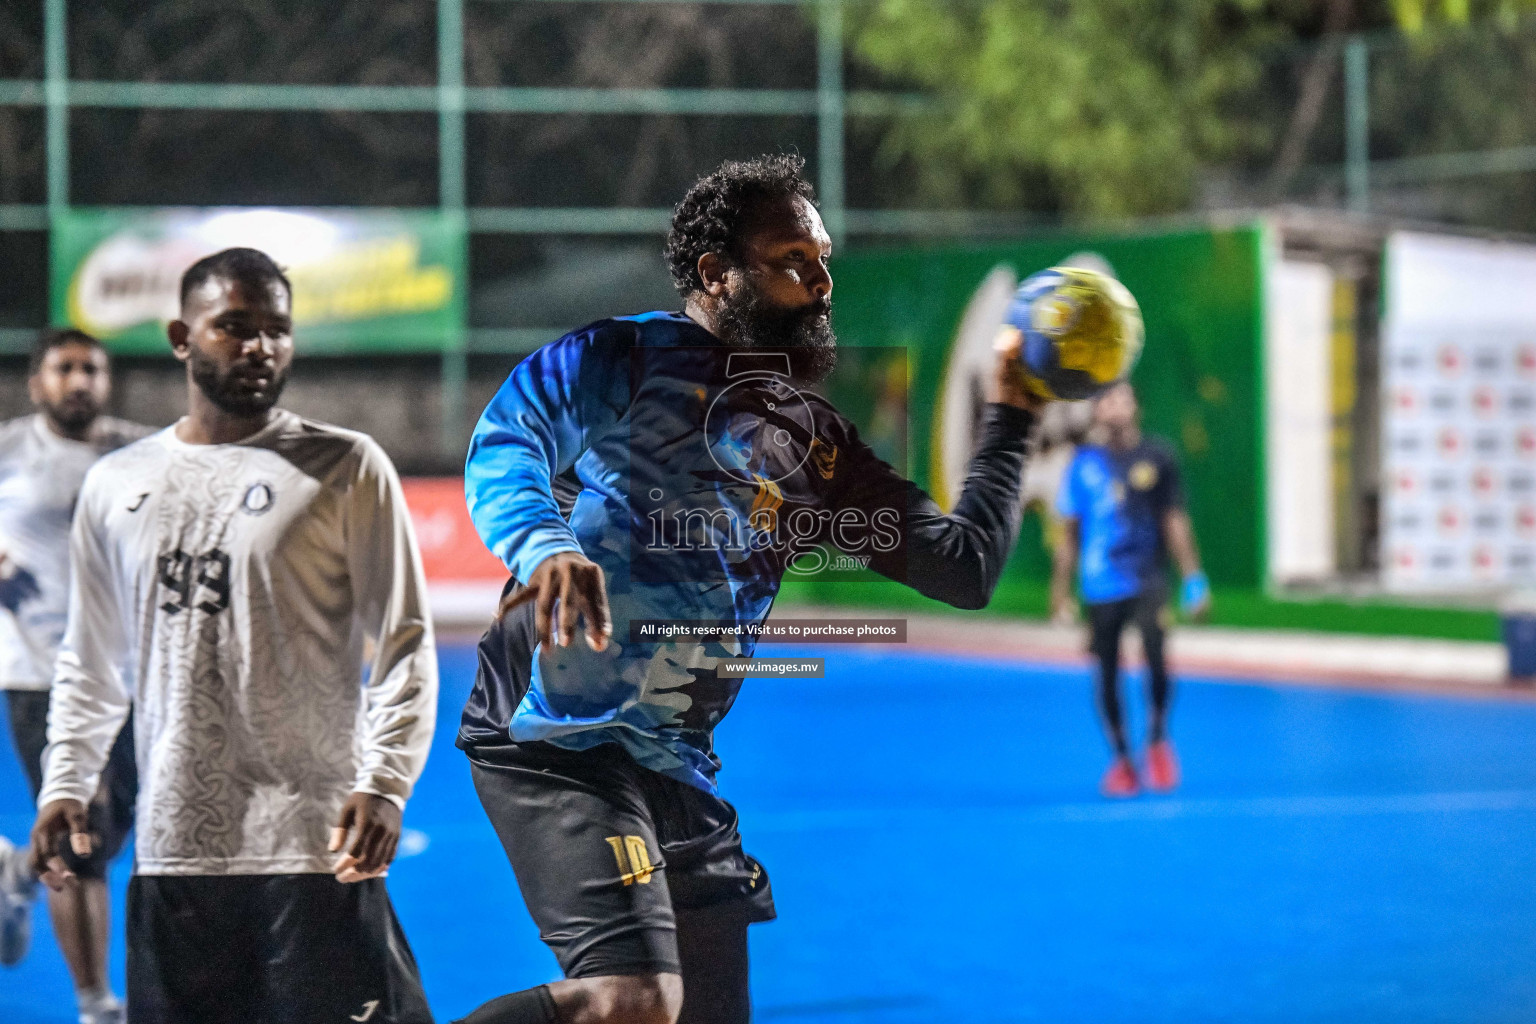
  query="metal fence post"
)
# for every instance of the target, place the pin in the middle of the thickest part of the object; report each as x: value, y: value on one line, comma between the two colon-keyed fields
x: 451, y: 198
x: 56, y: 113
x: 1357, y: 140
x: 830, y: 116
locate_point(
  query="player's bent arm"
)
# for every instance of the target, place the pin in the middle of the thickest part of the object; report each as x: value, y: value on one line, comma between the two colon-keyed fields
x: 957, y: 557
x: 390, y: 600
x: 544, y: 416
x: 89, y: 699
x: 88, y: 702
x: 1179, y: 534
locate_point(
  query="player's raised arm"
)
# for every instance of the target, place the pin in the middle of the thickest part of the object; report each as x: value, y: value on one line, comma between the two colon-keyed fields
x: 956, y: 557
x: 89, y: 700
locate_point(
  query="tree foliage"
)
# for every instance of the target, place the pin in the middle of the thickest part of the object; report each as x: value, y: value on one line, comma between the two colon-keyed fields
x: 1111, y: 107
x: 1413, y: 16
x: 1100, y: 109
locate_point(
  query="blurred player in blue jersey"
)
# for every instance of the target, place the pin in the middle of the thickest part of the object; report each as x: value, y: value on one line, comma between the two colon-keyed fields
x: 668, y: 466
x: 1122, y: 506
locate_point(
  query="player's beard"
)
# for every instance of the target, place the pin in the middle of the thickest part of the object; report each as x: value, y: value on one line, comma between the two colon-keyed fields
x: 75, y: 413
x: 804, y: 333
x: 222, y: 386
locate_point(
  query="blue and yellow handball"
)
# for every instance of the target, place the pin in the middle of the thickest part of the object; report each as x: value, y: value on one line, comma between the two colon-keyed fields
x: 1081, y: 331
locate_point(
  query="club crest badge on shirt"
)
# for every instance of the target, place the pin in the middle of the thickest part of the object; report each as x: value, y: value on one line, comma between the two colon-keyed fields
x: 1143, y: 476
x: 259, y: 498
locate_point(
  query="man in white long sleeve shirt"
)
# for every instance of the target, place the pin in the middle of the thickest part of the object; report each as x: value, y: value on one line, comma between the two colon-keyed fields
x: 43, y: 461
x: 226, y: 572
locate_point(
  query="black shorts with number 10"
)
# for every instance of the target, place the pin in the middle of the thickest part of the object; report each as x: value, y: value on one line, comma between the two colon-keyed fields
x: 606, y: 852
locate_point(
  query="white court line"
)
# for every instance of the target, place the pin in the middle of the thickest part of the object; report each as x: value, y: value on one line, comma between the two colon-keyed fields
x: 1157, y: 809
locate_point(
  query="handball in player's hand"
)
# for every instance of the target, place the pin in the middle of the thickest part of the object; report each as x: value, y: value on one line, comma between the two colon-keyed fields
x: 1081, y: 331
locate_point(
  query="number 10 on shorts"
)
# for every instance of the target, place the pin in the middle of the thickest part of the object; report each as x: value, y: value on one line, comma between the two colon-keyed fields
x: 634, y: 861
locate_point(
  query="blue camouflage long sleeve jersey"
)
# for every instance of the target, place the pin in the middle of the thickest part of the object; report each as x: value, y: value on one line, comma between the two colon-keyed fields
x: 700, y: 475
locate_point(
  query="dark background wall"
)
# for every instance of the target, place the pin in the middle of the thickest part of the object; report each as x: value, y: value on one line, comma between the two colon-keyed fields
x: 396, y: 399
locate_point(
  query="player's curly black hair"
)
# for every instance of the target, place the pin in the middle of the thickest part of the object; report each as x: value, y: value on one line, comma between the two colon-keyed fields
x: 713, y: 215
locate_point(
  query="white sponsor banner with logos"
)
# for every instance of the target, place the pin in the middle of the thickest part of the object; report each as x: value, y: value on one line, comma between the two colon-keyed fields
x: 1458, y: 373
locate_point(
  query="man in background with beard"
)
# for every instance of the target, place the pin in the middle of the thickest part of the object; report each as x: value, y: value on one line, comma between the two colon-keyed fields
x: 701, y: 474
x: 227, y: 572
x: 43, y: 461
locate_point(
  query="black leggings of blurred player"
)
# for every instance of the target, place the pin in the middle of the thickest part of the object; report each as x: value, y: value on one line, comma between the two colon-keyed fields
x: 80, y: 913
x: 1106, y: 622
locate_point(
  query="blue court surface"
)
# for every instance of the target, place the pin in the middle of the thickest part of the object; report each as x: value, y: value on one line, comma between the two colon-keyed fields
x: 939, y: 854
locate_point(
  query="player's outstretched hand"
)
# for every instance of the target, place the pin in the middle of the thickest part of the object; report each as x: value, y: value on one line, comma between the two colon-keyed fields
x: 372, y: 824
x: 566, y: 586
x: 56, y: 820
x: 1010, y: 384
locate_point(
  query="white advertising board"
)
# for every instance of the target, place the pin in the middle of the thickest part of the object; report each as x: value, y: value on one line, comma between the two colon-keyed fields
x: 1458, y: 373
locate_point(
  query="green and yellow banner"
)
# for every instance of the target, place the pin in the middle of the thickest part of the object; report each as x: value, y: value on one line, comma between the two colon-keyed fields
x: 363, y: 281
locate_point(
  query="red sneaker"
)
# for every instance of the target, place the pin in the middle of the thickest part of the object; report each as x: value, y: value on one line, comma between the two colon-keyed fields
x: 1162, y: 767
x: 1120, y: 780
